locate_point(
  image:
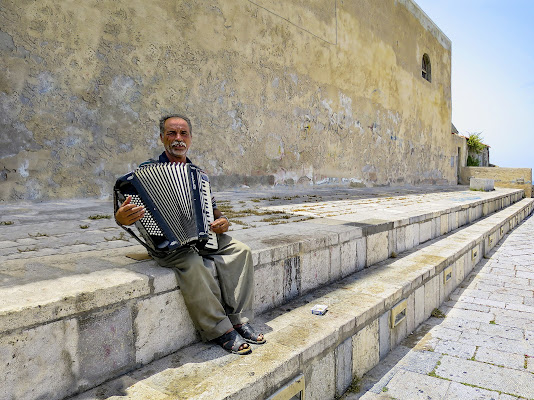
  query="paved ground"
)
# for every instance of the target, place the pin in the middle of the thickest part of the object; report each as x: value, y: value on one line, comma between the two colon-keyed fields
x: 481, y: 347
x: 29, y: 231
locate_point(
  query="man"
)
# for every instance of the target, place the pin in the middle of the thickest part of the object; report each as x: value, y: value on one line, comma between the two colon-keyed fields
x: 220, y: 312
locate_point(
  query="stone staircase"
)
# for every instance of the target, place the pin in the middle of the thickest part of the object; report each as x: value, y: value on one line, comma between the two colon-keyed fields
x: 113, y: 327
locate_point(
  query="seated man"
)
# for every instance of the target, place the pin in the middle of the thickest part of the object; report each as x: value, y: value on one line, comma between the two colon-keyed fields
x: 219, y: 311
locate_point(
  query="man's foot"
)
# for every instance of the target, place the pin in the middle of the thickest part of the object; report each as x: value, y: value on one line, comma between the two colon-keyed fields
x: 247, y: 332
x: 233, y: 342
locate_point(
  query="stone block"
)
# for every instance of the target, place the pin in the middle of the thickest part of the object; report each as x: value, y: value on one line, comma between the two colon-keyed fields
x: 163, y: 279
x: 361, y: 253
x: 39, y: 302
x: 377, y: 248
x: 343, y: 356
x: 436, y: 227
x: 444, y: 223
x: 313, y: 243
x: 447, y: 287
x: 458, y: 271
x: 400, y: 235
x: 392, y: 241
x: 365, y: 349
x: 453, y: 221
x: 500, y: 358
x: 425, y: 231
x: 315, y: 269
x: 410, y: 314
x: 292, y: 282
x: 269, y: 288
x: 518, y: 383
x: 335, y: 262
x: 398, y: 333
x: 482, y: 184
x: 479, y: 211
x: 456, y: 349
x: 413, y: 386
x: 40, y: 363
x: 350, y: 235
x: 106, y: 345
x: 432, y: 295
x: 419, y: 305
x: 384, y: 334
x: 349, y: 258
x: 462, y: 217
x: 162, y: 325
x: 411, y: 239
x: 321, y: 379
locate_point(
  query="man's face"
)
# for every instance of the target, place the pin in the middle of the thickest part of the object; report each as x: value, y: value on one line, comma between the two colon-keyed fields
x: 176, y: 138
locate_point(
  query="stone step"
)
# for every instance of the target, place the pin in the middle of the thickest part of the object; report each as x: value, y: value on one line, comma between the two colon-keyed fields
x: 101, y: 314
x: 369, y: 313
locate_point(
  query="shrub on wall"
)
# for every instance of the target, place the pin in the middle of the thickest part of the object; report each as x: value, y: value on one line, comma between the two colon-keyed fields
x: 472, y: 162
x: 474, y: 142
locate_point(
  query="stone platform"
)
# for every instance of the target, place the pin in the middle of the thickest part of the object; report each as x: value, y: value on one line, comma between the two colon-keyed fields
x: 67, y: 286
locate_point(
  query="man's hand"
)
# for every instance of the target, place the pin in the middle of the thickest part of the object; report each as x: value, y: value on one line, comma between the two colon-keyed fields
x: 129, y: 213
x: 220, y: 225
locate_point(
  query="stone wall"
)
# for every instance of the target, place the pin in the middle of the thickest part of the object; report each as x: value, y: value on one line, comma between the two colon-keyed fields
x: 301, y: 92
x: 460, y: 143
x: 517, y: 178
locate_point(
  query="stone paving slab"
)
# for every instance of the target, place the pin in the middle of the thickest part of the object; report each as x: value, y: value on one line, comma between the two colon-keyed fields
x: 492, y: 354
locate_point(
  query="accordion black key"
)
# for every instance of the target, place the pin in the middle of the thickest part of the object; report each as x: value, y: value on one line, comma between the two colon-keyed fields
x: 178, y: 206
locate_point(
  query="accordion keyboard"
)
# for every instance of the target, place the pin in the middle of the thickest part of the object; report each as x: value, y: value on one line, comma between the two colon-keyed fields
x: 208, y: 210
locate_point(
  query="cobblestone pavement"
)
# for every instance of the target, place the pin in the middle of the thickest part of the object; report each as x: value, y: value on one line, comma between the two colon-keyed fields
x: 480, y: 345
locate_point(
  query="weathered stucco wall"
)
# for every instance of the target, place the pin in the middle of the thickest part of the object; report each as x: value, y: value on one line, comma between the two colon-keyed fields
x: 460, y: 143
x: 290, y: 91
x: 517, y: 178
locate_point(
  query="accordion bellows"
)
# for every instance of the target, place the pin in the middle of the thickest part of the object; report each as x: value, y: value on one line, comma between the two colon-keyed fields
x: 177, y: 200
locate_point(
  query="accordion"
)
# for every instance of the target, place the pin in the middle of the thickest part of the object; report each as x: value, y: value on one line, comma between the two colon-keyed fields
x: 178, y: 206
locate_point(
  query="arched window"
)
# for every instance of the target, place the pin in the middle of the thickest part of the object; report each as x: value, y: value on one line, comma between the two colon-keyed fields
x: 426, y: 70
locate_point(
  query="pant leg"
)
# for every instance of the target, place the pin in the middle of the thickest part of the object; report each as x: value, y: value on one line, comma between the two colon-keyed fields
x: 201, y: 293
x: 233, y: 261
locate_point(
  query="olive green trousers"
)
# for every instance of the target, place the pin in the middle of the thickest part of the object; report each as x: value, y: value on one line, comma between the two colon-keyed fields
x: 215, y: 304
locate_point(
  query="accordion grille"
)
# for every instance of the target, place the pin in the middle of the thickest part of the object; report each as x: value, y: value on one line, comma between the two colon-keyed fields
x: 169, y: 187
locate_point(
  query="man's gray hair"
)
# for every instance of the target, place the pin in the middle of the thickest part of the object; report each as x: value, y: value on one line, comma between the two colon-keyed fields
x: 166, y: 117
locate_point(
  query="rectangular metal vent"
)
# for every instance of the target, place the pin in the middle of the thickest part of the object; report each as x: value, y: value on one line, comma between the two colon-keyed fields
x: 293, y: 390
x: 398, y: 313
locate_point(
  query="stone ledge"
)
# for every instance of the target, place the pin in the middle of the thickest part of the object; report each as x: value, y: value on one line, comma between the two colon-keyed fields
x: 354, y: 334
x: 333, y: 244
x: 152, y: 306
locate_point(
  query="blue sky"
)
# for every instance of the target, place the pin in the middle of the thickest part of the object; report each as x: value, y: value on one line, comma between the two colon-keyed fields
x: 492, y: 72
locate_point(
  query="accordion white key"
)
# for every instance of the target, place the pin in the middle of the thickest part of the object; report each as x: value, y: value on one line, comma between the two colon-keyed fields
x: 178, y: 204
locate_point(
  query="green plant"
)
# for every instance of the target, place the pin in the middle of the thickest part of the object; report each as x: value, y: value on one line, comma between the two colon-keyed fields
x: 472, y: 162
x: 99, y: 216
x: 437, y: 313
x: 474, y: 142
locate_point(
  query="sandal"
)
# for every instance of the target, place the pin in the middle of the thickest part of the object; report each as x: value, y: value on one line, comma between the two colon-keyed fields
x: 231, y: 342
x: 246, y: 331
